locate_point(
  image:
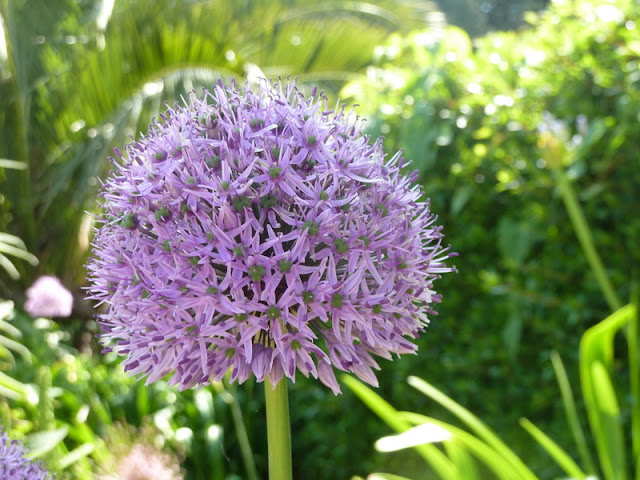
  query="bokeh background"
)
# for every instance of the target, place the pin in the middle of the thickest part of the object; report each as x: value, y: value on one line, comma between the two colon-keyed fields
x: 465, y: 87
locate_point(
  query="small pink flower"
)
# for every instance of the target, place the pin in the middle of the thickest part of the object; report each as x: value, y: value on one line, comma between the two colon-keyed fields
x: 47, y: 297
x: 146, y: 463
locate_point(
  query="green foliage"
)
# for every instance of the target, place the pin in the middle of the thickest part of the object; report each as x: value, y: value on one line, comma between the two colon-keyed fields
x: 80, y: 78
x: 467, y: 113
x: 483, y: 453
x: 478, y: 18
x: 67, y: 404
x: 10, y: 244
x: 469, y: 116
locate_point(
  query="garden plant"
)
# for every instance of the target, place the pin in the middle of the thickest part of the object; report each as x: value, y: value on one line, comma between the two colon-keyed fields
x: 525, y: 142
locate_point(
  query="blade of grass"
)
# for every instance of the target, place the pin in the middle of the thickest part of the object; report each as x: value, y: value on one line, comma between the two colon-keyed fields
x: 634, y: 380
x: 596, y: 359
x: 386, y: 476
x: 434, y: 457
x: 9, y: 393
x: 15, y: 164
x: 18, y: 252
x: 571, y: 412
x: 610, y: 442
x: 76, y: 454
x: 13, y: 385
x: 553, y: 449
x: 9, y: 267
x: 16, y: 347
x: 464, y: 462
x: 581, y: 228
x: 478, y: 447
x: 10, y: 329
x: 474, y: 423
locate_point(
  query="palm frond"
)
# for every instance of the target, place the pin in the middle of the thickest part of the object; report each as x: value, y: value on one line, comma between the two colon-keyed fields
x: 88, y: 85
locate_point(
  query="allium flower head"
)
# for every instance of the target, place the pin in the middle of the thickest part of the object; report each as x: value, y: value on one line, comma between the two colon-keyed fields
x: 14, y: 465
x: 47, y: 297
x: 257, y: 231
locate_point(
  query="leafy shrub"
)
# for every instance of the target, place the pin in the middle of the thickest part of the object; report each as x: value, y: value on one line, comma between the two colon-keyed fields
x: 466, y: 452
x: 67, y: 403
x: 469, y: 117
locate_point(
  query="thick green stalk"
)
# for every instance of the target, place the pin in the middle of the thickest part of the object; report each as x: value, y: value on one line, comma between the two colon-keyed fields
x: 278, y: 430
x: 586, y: 239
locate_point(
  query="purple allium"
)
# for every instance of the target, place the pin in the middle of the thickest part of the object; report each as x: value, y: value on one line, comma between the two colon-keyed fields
x: 14, y: 465
x: 257, y: 231
x: 47, y: 297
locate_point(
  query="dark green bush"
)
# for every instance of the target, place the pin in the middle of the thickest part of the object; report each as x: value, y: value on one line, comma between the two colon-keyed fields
x: 469, y: 117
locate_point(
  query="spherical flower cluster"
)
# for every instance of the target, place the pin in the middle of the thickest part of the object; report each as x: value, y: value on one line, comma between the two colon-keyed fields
x: 14, y: 465
x: 259, y: 232
x: 47, y: 297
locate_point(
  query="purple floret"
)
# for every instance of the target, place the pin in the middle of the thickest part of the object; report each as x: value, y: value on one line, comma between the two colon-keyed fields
x: 14, y: 465
x: 258, y: 231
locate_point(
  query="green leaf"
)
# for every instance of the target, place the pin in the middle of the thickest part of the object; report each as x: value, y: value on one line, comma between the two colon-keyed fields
x: 18, y: 252
x: 76, y: 454
x: 596, y: 359
x: 215, y: 450
x: 434, y: 457
x: 473, y: 422
x: 552, y: 448
x: 10, y: 329
x: 466, y: 466
x: 43, y: 442
x: 419, y: 435
x: 16, y: 165
x: 633, y: 338
x: 571, y: 412
x: 385, y: 476
x: 515, y: 240
x: 9, y: 267
x: 142, y: 400
x: 611, y: 437
x: 12, y: 388
x: 203, y: 400
x: 16, y: 347
x: 494, y: 460
x: 12, y: 245
x: 6, y: 392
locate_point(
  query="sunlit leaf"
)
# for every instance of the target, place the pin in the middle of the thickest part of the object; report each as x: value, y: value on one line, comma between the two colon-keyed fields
x: 571, y: 412
x: 485, y: 453
x: 596, y: 359
x: 42, y: 442
x: 440, y: 463
x: 478, y: 427
x: 76, y: 454
x: 552, y: 448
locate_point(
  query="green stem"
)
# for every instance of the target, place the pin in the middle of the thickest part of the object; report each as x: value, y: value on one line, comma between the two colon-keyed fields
x: 278, y: 430
x: 586, y: 239
x: 634, y: 373
x: 243, y: 439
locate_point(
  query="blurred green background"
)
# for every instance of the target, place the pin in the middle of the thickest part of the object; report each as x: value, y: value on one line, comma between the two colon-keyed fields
x: 463, y: 86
